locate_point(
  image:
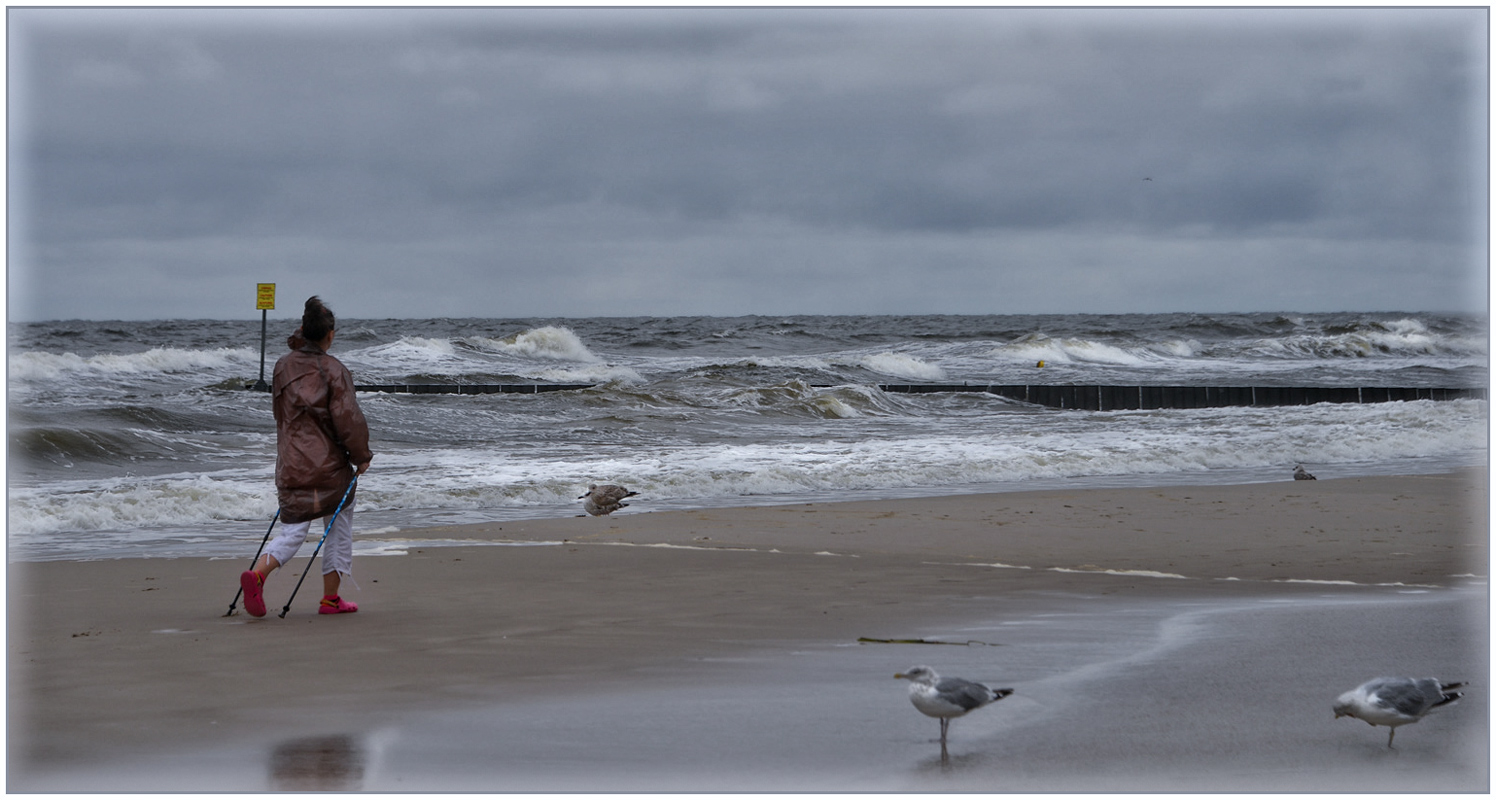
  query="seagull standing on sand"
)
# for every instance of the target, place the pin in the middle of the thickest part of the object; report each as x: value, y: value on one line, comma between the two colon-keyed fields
x: 604, y: 500
x: 1300, y: 475
x: 1395, y: 701
x: 947, y: 698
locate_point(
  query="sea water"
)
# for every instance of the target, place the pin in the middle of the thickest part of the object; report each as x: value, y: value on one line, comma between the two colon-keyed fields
x: 140, y: 439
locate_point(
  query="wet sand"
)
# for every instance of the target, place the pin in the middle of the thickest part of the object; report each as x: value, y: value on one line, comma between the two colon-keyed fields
x: 1171, y: 639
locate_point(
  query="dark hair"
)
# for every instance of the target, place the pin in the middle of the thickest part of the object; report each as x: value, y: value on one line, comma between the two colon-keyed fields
x: 317, y: 320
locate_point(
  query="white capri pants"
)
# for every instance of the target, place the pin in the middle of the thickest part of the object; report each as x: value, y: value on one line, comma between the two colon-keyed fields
x: 337, y: 549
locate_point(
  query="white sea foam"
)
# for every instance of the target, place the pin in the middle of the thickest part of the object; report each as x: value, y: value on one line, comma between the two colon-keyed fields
x: 1353, y: 583
x: 1189, y: 445
x: 903, y: 365
x: 597, y: 373
x: 1403, y: 336
x: 422, y: 346
x: 1305, y: 347
x: 772, y: 409
x: 785, y: 362
x: 669, y: 546
x: 1136, y: 573
x: 549, y: 342
x: 411, y: 354
x: 38, y: 367
x: 1038, y: 347
x: 798, y: 398
x: 1067, y: 446
x: 834, y: 407
x: 994, y: 565
x: 1382, y: 340
x: 532, y: 353
x: 136, y: 503
x: 401, y: 547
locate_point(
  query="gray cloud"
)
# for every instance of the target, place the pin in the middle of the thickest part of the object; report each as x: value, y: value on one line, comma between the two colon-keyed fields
x: 494, y: 161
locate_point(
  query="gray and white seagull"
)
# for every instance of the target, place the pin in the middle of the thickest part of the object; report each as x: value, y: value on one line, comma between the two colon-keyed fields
x: 1395, y: 701
x: 947, y: 698
x: 600, y: 501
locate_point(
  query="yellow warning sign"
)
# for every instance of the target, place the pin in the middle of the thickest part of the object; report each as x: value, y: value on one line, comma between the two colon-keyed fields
x: 266, y: 297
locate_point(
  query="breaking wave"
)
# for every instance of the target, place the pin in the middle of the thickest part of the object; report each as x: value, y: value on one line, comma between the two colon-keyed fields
x: 44, y: 367
x: 135, y: 432
x: 549, y: 342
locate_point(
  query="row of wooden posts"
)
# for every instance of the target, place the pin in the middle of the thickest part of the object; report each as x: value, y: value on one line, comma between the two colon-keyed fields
x: 1092, y: 398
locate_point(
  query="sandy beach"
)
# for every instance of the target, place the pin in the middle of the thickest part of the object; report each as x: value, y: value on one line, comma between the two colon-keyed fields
x: 1158, y: 639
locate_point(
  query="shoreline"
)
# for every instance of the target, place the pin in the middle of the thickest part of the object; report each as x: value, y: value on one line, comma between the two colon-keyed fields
x: 235, y: 538
x: 1353, y: 531
x: 128, y: 661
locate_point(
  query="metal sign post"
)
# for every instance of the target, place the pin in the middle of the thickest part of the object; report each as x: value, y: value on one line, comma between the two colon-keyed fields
x: 265, y: 302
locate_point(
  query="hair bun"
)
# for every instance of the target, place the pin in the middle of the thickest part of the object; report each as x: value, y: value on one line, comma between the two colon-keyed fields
x: 317, y: 321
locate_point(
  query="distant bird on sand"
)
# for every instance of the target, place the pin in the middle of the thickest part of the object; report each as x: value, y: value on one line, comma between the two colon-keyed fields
x: 1300, y: 475
x: 1395, y: 701
x: 947, y: 698
x: 605, y: 499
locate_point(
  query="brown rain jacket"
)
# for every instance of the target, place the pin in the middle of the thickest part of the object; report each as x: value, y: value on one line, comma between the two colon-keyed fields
x: 320, y: 431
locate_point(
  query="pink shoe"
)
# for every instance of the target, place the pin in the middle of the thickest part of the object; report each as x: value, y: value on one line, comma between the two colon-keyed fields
x: 336, y: 605
x: 254, y: 596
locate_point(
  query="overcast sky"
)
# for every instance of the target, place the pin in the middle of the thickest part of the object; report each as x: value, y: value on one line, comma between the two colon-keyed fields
x: 585, y: 162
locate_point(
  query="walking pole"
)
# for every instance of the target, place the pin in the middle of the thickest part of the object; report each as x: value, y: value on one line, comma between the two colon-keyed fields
x: 240, y: 593
x: 325, y: 531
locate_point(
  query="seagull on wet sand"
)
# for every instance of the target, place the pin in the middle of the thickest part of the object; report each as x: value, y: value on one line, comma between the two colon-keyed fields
x: 605, y: 499
x: 1395, y: 701
x: 947, y: 698
x: 1300, y: 475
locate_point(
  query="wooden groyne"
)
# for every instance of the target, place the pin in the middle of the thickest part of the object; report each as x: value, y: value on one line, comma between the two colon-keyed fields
x: 1092, y: 398
x: 470, y: 388
x: 1113, y: 398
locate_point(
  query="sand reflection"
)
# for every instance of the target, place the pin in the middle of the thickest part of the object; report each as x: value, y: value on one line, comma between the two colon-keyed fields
x: 318, y: 763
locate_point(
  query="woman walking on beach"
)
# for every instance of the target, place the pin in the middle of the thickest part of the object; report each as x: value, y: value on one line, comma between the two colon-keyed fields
x: 322, y: 442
